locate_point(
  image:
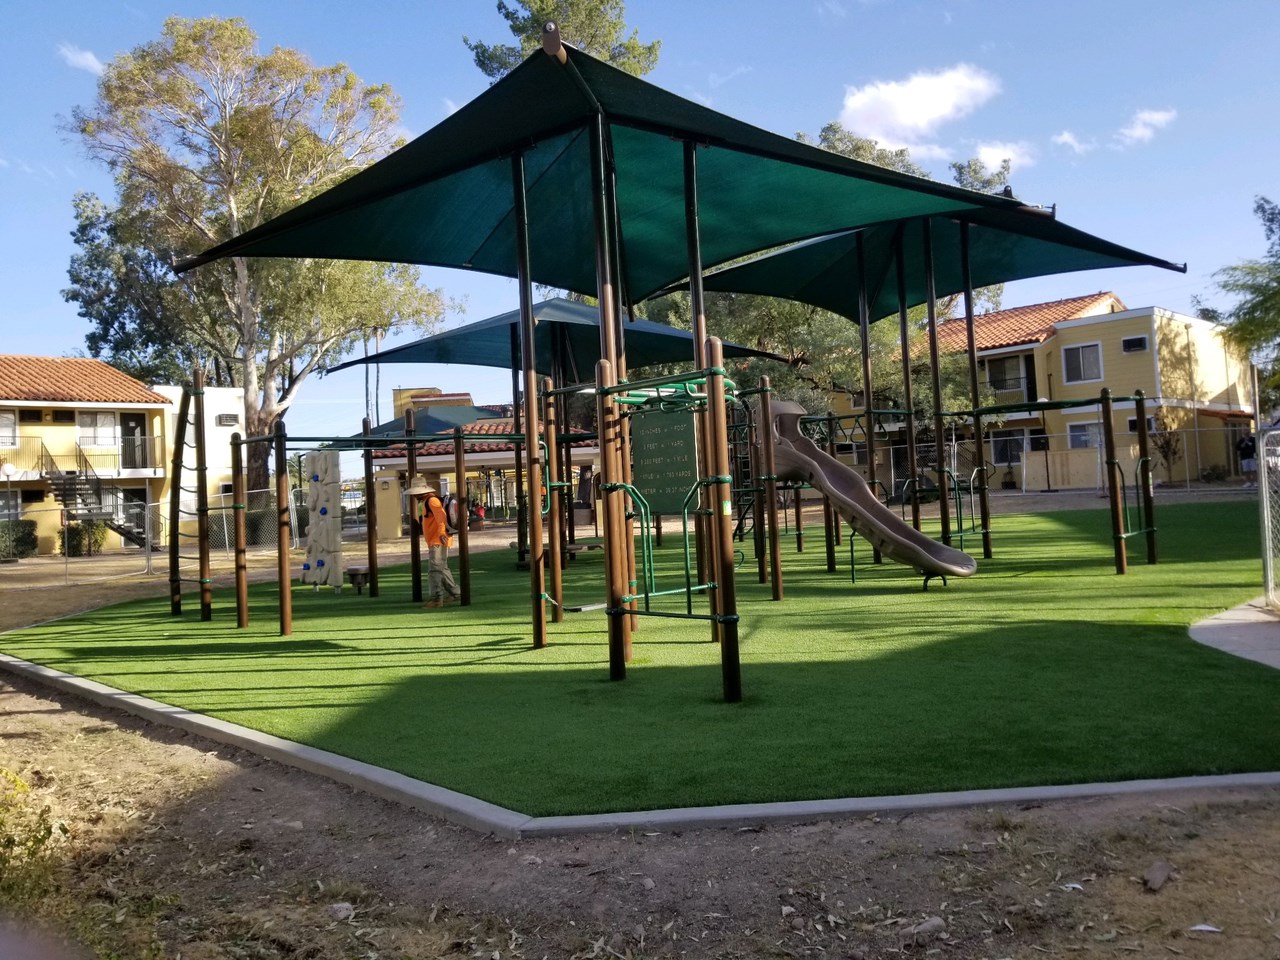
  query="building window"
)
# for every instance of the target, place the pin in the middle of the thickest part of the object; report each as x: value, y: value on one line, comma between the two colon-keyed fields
x: 1133, y: 344
x: 1005, y: 374
x: 30, y: 416
x: 64, y: 416
x: 33, y: 496
x: 8, y: 428
x: 1083, y: 363
x: 97, y: 428
x: 1007, y: 446
x: 1151, y: 424
x: 1084, y: 436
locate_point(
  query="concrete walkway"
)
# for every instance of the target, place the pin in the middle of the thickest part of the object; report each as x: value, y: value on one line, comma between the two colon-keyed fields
x: 1251, y: 630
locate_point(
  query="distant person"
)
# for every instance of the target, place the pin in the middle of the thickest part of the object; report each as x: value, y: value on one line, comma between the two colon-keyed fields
x: 1247, y: 448
x: 427, y: 511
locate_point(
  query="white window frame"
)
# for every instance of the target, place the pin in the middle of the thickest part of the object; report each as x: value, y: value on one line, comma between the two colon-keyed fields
x: 1009, y: 434
x: 1090, y: 430
x: 94, y: 437
x: 8, y: 428
x: 1066, y: 378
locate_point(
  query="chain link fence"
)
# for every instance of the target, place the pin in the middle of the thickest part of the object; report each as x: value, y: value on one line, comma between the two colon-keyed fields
x: 1269, y: 496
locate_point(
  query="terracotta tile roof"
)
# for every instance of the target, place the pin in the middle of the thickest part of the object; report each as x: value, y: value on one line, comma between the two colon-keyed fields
x: 481, y: 428
x: 69, y: 380
x: 1023, y: 325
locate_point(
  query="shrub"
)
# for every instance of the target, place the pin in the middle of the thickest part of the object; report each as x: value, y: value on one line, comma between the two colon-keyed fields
x: 84, y: 538
x: 1213, y: 474
x: 17, y: 538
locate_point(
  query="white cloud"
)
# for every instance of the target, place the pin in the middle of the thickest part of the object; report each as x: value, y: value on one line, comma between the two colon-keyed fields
x: 73, y: 56
x: 927, y: 152
x: 3, y: 162
x: 832, y: 8
x: 1068, y: 139
x: 1020, y: 155
x: 904, y: 113
x: 1144, y: 125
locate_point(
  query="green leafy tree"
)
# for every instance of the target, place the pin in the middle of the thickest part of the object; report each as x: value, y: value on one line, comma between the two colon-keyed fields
x: 1253, y: 323
x: 208, y: 138
x: 836, y: 138
x: 597, y: 27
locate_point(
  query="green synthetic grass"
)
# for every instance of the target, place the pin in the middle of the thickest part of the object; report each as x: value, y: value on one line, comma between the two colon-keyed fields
x: 1044, y: 668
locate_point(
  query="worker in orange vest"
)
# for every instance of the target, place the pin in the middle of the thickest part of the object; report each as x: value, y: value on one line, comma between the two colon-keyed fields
x: 427, y: 511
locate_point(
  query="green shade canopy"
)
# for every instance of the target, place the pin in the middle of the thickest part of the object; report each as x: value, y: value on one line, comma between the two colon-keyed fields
x: 564, y: 325
x: 446, y: 198
x: 1004, y: 245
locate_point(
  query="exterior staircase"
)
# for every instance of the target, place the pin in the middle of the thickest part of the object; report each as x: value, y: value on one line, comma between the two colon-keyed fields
x: 84, y: 496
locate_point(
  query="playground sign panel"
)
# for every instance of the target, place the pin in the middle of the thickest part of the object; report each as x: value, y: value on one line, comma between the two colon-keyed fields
x: 665, y: 462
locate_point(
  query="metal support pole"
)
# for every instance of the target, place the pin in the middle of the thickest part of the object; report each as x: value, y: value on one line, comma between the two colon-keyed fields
x: 770, y: 486
x: 939, y: 428
x: 529, y: 384
x: 904, y: 339
x: 830, y: 519
x: 522, y: 519
x: 611, y: 504
x: 555, y: 500
x: 1144, y: 475
x: 415, y: 524
x: 1113, y: 483
x: 984, y: 502
x: 722, y: 523
x: 698, y: 317
x: 238, y: 508
x: 284, y: 531
x: 370, y: 511
x: 868, y: 399
x: 464, y: 516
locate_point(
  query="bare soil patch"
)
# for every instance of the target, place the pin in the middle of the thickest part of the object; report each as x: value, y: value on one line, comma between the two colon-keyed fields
x: 179, y: 847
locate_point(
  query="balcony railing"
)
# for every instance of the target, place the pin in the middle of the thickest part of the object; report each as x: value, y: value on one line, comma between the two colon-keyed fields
x: 129, y: 453
x: 1009, y: 389
x: 23, y: 452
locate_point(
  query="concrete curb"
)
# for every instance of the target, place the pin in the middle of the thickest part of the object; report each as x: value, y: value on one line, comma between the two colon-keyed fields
x: 490, y: 818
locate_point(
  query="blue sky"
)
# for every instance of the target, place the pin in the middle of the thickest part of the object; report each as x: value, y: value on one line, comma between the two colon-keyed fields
x: 1151, y: 124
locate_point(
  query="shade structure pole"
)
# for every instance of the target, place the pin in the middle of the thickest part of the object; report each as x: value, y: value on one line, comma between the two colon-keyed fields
x: 984, y: 503
x: 370, y: 510
x: 770, y: 485
x: 555, y: 516
x: 939, y: 436
x: 284, y: 530
x: 726, y: 606
x: 238, y: 508
x: 463, y: 508
x: 830, y: 519
x: 609, y: 425
x: 868, y: 402
x: 904, y: 339
x: 529, y: 383
x: 1113, y: 482
x: 415, y: 525
x: 522, y: 530
x: 705, y: 544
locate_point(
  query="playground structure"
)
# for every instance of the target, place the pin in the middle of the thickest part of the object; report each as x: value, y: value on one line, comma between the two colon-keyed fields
x: 638, y: 164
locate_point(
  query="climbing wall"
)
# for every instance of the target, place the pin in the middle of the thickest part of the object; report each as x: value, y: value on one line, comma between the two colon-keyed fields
x: 323, y: 565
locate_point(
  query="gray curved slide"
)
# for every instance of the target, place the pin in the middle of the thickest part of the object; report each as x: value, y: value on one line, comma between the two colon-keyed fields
x: 796, y: 457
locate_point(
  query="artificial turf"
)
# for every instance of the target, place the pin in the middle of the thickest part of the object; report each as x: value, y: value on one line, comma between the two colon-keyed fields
x: 1046, y: 667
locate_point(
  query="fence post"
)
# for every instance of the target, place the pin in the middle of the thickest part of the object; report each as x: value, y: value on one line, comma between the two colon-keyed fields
x: 238, y: 508
x: 1113, y: 483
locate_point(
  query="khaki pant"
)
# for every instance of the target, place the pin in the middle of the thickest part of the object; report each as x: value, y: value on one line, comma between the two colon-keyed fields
x: 439, y: 579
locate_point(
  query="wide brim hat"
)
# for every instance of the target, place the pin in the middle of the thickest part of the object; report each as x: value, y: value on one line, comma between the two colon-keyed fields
x: 420, y: 488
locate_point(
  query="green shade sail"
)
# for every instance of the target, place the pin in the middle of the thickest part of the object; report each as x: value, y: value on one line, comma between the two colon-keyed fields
x: 1004, y: 245
x: 445, y: 199
x: 562, y: 325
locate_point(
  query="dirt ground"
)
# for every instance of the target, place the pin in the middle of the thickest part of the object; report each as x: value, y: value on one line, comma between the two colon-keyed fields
x: 175, y: 846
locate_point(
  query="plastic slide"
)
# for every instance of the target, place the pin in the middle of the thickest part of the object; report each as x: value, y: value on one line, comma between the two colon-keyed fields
x: 796, y: 457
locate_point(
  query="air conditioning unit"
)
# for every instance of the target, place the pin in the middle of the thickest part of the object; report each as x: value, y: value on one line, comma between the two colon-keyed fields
x: 1133, y: 344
